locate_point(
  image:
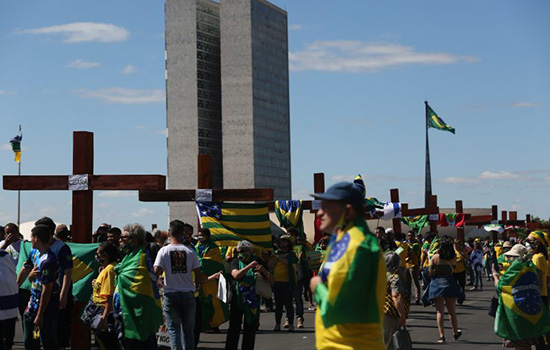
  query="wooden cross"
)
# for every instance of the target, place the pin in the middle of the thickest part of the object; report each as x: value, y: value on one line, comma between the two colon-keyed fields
x: 205, y: 182
x: 82, y: 204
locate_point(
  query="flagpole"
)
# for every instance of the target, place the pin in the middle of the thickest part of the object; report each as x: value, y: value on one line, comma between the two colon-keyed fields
x: 428, y: 176
x: 19, y: 198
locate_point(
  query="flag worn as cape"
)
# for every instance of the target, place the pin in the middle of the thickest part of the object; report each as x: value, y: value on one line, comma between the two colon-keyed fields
x: 289, y: 213
x: 416, y: 223
x: 452, y: 219
x: 434, y: 121
x: 16, y: 145
x: 351, y: 298
x: 434, y: 247
x: 214, y: 311
x: 85, y: 268
x: 521, y: 315
x: 230, y: 223
x: 139, y: 296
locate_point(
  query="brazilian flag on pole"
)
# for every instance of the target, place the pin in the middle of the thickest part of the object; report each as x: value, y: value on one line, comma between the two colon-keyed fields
x: 16, y: 145
x: 434, y: 121
x: 139, y: 296
x: 521, y: 315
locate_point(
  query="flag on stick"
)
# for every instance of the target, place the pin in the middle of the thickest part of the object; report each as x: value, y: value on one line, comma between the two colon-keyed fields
x: 289, y: 213
x: 230, y: 223
x: 16, y: 145
x: 434, y: 121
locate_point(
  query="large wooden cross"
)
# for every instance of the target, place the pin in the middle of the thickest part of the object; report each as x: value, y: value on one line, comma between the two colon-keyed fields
x: 82, y: 204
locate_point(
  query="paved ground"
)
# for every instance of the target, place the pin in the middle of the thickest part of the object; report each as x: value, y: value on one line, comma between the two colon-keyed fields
x: 476, y: 325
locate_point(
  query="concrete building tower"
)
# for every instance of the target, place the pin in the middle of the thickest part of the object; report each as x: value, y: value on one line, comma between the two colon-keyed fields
x: 193, y: 95
x: 255, y: 96
x: 227, y: 95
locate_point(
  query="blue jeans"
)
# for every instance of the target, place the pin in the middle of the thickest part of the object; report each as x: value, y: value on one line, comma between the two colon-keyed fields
x: 179, y: 311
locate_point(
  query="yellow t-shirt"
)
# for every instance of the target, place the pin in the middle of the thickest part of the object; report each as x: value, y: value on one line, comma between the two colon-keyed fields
x: 460, y: 266
x: 104, y: 286
x: 280, y: 272
x: 541, y: 264
x: 404, y: 253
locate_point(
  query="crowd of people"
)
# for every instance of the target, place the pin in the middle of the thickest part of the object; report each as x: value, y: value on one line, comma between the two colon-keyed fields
x: 361, y: 293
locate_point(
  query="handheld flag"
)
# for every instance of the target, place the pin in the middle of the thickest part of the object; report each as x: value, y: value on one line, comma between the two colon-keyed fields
x: 85, y: 268
x: 230, y: 223
x: 16, y: 145
x: 289, y: 214
x: 434, y: 121
x: 139, y: 296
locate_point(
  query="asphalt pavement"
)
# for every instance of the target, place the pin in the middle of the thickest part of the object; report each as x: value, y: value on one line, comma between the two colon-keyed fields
x: 473, y: 320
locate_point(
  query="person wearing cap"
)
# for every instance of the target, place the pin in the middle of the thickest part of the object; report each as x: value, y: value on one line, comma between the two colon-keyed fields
x: 517, y: 284
x: 503, y: 261
x: 351, y: 286
x: 538, y: 240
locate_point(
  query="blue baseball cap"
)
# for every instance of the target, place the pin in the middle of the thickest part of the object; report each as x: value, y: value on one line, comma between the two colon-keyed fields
x: 346, y: 192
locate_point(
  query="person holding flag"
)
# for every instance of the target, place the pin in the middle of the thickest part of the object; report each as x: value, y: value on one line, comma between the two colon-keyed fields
x: 351, y: 287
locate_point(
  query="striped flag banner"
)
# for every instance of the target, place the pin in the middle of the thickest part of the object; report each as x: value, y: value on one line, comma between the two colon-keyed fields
x: 230, y: 223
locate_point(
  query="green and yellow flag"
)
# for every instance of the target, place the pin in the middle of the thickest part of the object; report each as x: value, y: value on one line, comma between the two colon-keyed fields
x: 416, y: 223
x: 434, y: 121
x: 521, y: 314
x: 289, y: 213
x: 230, y: 223
x: 85, y: 268
x: 214, y: 311
x: 16, y: 145
x: 139, y: 296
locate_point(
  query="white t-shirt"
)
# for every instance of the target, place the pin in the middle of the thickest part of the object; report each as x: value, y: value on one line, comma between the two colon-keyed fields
x: 13, y: 250
x: 177, y: 262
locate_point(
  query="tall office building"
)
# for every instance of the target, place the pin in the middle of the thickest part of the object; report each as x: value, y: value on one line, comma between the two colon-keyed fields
x: 227, y: 95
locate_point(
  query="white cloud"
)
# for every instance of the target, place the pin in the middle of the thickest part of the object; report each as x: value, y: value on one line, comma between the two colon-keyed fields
x: 124, y: 95
x: 116, y: 194
x: 498, y: 175
x: 525, y: 105
x: 129, y: 69
x: 2, y: 92
x: 358, y: 56
x: 79, y: 32
x: 81, y: 64
x: 140, y: 127
x: 295, y: 27
x: 459, y: 180
x: 142, y: 212
x: 163, y: 132
x: 5, y: 147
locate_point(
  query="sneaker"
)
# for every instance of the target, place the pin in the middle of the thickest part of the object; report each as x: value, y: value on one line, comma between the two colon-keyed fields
x: 300, y: 322
x: 473, y: 288
x: 285, y: 325
x: 277, y: 328
x: 312, y: 308
x: 457, y: 334
x: 291, y: 328
x: 441, y: 340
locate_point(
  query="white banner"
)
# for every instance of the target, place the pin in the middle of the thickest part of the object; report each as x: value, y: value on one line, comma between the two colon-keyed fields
x: 78, y: 182
x: 204, y: 195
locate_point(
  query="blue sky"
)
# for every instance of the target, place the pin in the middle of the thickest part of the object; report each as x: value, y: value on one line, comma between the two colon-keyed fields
x: 360, y: 72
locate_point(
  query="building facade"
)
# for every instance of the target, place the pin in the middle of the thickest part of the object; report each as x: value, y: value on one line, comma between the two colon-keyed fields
x: 227, y: 95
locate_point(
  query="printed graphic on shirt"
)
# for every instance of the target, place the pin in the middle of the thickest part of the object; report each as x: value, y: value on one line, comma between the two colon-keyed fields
x: 178, y: 261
